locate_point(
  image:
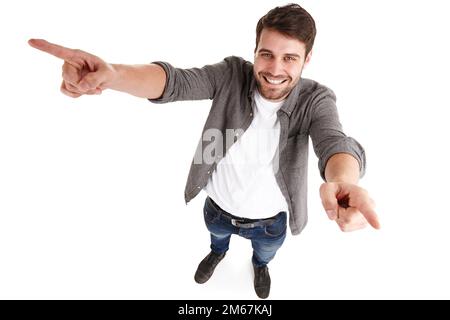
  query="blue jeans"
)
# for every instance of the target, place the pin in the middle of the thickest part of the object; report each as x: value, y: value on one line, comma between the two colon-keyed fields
x: 266, y: 240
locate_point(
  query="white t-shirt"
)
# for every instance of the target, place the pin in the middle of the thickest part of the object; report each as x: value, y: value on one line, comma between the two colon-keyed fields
x: 243, y: 183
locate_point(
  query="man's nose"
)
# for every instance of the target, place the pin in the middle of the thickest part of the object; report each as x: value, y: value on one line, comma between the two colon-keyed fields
x: 275, y: 68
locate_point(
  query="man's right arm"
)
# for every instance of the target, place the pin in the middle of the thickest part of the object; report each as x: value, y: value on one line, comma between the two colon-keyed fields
x: 84, y: 73
x: 145, y: 81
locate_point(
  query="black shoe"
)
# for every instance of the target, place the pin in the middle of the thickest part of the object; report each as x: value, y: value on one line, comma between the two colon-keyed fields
x: 206, y: 267
x: 262, y: 281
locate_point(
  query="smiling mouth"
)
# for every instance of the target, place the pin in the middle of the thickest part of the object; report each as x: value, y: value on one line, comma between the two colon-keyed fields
x: 274, y: 81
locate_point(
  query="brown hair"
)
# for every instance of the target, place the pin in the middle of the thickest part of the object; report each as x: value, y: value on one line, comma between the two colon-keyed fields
x: 291, y: 20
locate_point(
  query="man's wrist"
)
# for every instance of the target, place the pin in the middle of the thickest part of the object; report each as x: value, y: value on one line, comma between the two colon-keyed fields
x: 342, y: 167
x: 116, y: 75
x: 343, y: 179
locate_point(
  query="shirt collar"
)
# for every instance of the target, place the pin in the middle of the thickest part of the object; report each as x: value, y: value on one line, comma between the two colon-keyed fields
x: 291, y: 100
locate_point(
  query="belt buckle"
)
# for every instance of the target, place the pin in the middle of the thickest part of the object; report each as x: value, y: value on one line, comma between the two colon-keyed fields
x: 235, y: 223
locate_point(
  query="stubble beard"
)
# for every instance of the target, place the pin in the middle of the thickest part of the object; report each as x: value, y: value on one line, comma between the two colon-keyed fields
x: 275, y: 94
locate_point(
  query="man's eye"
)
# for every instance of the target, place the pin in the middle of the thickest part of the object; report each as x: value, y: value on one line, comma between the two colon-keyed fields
x: 266, y: 55
x: 290, y: 58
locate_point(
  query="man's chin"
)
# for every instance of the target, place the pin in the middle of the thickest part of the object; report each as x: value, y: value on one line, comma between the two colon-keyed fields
x: 278, y: 94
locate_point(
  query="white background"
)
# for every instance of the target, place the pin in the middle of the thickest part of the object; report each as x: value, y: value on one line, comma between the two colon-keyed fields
x: 91, y: 189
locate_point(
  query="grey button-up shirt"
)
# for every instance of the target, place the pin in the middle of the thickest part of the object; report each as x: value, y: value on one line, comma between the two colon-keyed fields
x: 309, y: 111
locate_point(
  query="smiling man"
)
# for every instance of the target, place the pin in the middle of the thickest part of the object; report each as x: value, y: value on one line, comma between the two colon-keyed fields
x: 279, y: 61
x: 253, y: 154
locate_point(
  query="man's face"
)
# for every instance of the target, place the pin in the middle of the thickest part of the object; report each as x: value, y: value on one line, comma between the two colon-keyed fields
x: 279, y: 61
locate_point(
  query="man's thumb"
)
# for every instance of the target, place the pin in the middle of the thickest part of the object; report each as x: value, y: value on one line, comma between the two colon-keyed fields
x: 90, y: 81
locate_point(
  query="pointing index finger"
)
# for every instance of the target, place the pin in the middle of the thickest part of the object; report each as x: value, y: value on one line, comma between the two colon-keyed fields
x: 370, y: 215
x: 51, y: 48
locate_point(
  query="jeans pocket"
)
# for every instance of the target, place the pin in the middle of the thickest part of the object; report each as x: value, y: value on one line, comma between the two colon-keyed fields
x: 277, y: 228
x: 210, y: 213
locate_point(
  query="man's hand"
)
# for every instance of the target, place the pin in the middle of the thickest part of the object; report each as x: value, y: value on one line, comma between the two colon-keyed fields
x: 349, y: 205
x: 82, y: 72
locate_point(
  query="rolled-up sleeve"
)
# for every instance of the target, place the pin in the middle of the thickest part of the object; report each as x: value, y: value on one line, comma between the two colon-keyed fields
x: 191, y: 84
x: 327, y: 135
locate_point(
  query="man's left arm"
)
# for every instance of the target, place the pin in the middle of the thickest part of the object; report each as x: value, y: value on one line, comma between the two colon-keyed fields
x: 342, y: 162
x: 343, y: 200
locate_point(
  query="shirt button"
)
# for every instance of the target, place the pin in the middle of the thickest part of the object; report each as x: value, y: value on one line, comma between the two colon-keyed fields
x: 251, y: 114
x: 209, y: 172
x: 198, y: 187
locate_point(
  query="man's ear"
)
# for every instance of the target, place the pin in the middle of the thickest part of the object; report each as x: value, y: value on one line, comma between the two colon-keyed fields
x: 308, y: 58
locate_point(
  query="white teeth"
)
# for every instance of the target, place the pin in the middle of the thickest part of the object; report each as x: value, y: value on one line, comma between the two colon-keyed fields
x: 271, y: 81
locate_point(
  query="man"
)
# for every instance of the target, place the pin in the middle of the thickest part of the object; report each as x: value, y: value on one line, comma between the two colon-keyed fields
x: 254, y: 168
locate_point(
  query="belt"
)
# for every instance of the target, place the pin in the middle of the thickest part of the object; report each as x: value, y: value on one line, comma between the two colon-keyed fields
x: 243, y: 222
x: 259, y: 223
